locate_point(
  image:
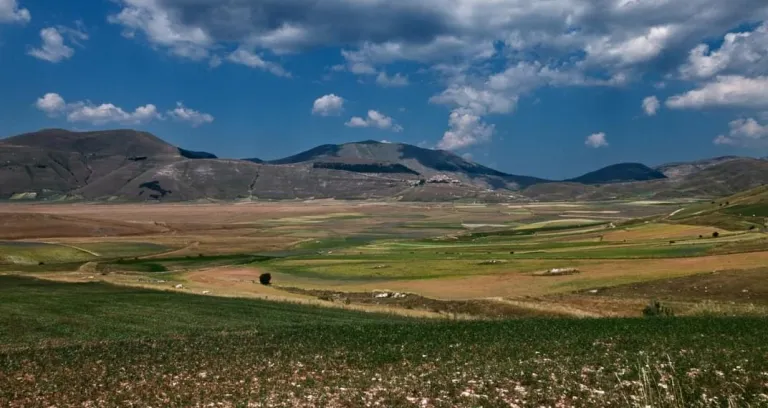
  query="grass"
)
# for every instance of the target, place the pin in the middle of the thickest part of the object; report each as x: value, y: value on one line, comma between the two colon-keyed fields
x: 123, y: 249
x: 100, y: 345
x: 179, y: 263
x: 32, y: 253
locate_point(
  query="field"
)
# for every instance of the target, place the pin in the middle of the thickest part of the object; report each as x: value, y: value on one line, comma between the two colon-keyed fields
x: 397, y: 303
x: 94, y: 344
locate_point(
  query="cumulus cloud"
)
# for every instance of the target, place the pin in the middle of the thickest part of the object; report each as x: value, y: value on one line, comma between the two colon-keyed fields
x: 651, y: 105
x: 486, y: 55
x: 397, y: 80
x: 465, y: 129
x: 252, y: 60
x: 746, y: 132
x: 10, y: 12
x: 596, y: 140
x: 374, y: 119
x: 744, y: 53
x: 723, y: 91
x: 51, y: 103
x: 54, y: 105
x: 328, y: 105
x: 191, y: 116
x: 53, y: 47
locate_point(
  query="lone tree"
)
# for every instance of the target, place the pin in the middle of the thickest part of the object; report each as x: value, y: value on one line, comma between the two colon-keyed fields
x: 265, y: 278
x: 715, y: 234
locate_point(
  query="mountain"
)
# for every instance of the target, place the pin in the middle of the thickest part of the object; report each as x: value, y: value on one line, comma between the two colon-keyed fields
x: 190, y: 154
x: 619, y: 173
x: 682, y: 169
x: 128, y: 165
x: 372, y: 156
x: 718, y: 180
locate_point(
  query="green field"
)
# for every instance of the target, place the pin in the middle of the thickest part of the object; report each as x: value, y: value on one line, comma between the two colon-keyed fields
x: 96, y: 344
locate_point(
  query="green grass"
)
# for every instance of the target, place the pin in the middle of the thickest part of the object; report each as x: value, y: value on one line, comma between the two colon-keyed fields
x: 32, y: 253
x: 33, y: 311
x: 124, y: 249
x: 180, y: 263
x: 100, y: 345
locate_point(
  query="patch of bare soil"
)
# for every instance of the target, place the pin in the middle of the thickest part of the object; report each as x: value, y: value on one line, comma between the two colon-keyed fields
x: 748, y: 286
x: 478, y: 307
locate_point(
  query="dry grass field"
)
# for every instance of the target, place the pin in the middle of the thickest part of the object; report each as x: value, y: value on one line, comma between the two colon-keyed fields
x: 380, y: 304
x: 444, y: 252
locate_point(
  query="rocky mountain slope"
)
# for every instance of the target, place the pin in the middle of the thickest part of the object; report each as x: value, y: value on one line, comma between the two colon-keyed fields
x: 128, y: 165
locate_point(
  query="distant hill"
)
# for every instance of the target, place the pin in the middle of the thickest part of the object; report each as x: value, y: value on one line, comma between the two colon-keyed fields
x: 619, y: 173
x: 425, y: 162
x: 190, y: 154
x: 682, y: 169
x: 719, y: 180
x: 129, y: 165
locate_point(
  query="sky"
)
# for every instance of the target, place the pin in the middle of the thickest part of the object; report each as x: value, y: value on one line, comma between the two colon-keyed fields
x: 548, y: 88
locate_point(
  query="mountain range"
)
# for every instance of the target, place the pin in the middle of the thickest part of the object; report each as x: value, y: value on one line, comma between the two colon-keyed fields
x: 129, y: 165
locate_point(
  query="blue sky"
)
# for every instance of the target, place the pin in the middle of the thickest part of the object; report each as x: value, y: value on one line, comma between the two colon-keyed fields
x: 551, y: 88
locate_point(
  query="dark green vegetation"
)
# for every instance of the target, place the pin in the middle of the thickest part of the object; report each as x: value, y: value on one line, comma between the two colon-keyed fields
x: 617, y: 173
x: 100, y: 345
x: 179, y: 263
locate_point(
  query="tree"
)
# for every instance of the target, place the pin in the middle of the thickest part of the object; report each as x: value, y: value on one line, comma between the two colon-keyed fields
x: 265, y: 278
x: 715, y: 234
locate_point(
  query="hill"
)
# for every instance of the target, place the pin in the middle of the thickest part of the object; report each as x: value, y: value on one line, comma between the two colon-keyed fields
x: 683, y: 169
x: 743, y: 211
x: 718, y: 180
x: 619, y: 173
x: 425, y: 162
x: 130, y: 165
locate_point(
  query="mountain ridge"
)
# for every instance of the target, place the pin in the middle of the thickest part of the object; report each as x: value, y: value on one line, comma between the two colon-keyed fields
x: 130, y: 165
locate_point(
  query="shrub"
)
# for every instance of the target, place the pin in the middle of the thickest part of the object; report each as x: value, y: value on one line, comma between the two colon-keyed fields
x: 752, y: 227
x: 41, y: 263
x: 265, y: 278
x: 715, y: 234
x: 656, y: 309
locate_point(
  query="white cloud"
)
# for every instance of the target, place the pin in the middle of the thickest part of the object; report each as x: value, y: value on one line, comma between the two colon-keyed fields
x: 632, y: 50
x: 162, y: 28
x: 107, y: 113
x: 485, y: 54
x: 723, y: 91
x: 328, y: 105
x: 193, y: 117
x: 53, y: 48
x: 51, y: 103
x: 651, y: 105
x: 465, y: 129
x: 10, y: 12
x: 467, y: 156
x: 398, y: 80
x: 54, y: 105
x: 250, y: 59
x: 596, y: 140
x: 374, y: 119
x: 744, y: 53
x: 745, y: 132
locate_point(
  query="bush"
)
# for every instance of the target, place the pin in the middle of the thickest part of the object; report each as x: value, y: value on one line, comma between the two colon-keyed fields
x: 656, y: 309
x: 715, y: 234
x: 265, y: 278
x: 752, y: 227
